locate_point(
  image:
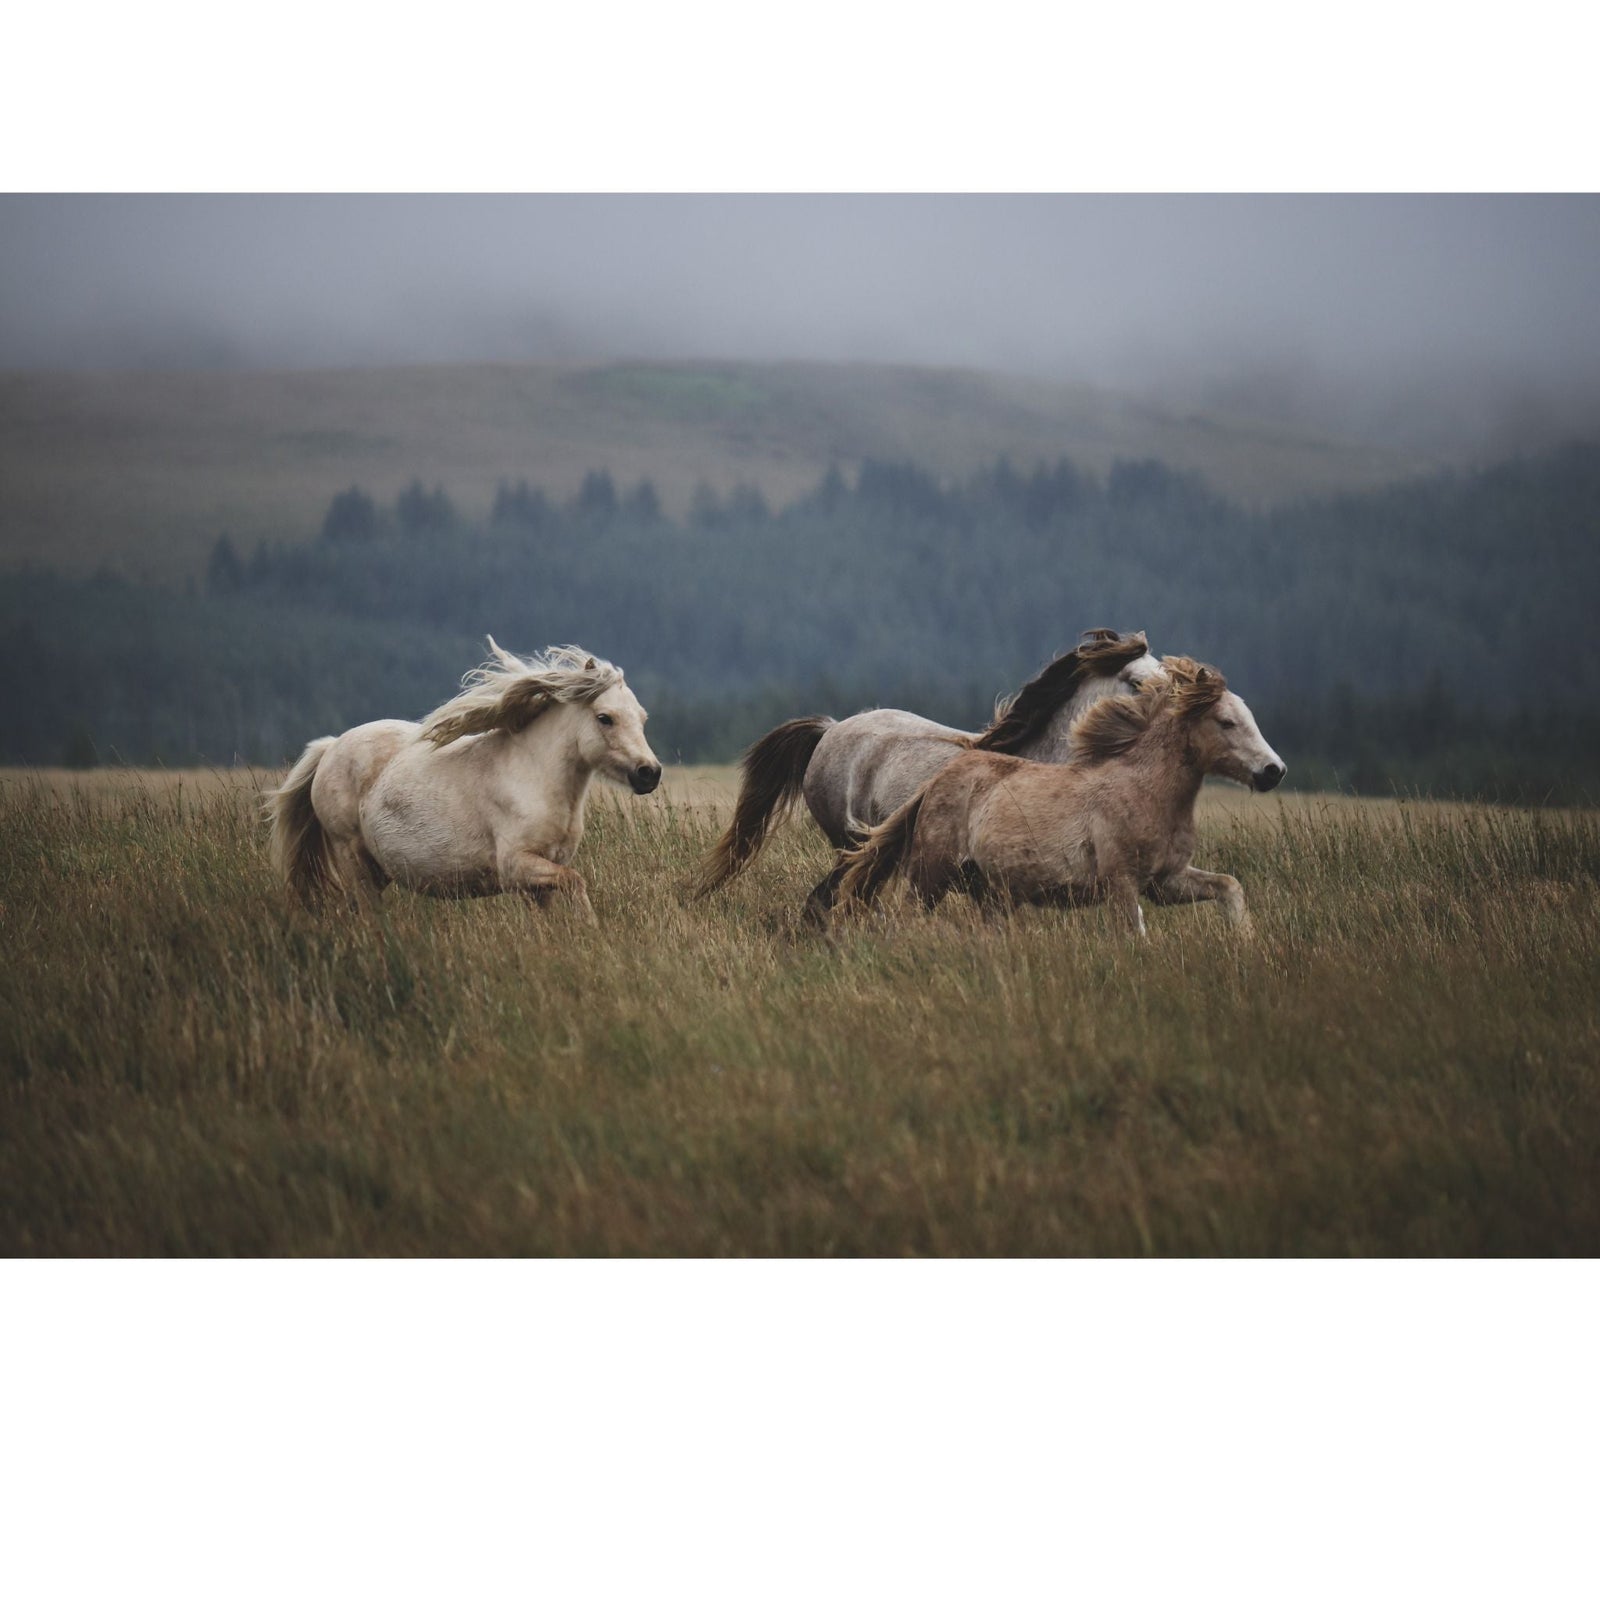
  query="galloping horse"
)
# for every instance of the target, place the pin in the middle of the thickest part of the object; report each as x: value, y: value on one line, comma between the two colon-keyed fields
x: 483, y: 796
x: 855, y: 772
x: 1115, y: 823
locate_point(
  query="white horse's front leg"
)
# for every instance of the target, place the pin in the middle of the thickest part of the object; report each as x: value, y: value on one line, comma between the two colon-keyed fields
x: 1190, y: 884
x: 549, y: 883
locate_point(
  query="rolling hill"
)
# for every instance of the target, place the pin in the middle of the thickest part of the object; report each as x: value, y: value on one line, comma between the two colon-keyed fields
x: 142, y: 471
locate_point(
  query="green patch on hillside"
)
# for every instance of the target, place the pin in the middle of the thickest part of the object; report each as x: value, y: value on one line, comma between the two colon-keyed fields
x: 340, y: 442
x: 678, y: 392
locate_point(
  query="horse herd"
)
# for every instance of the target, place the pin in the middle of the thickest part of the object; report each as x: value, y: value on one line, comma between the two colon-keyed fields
x: 1081, y: 790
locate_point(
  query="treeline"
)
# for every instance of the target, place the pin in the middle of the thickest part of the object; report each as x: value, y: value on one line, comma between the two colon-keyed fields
x: 105, y: 671
x: 1434, y: 635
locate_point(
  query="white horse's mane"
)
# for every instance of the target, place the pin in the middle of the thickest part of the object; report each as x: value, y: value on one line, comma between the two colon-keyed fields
x: 511, y: 691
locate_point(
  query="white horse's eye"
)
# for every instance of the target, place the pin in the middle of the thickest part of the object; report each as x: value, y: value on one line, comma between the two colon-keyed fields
x: 604, y: 718
x: 1226, y: 722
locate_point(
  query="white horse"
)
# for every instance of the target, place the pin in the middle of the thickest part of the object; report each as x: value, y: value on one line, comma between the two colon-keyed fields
x: 484, y: 796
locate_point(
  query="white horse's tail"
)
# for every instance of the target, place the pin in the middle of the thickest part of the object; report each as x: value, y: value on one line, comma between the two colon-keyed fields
x: 299, y: 846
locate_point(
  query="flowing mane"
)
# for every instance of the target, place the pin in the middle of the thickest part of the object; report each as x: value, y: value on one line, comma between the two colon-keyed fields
x: 1113, y: 726
x: 510, y: 692
x: 1194, y: 688
x: 1101, y: 653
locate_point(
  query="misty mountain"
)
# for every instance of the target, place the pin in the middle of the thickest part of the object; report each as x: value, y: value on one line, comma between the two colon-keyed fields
x: 1453, y: 324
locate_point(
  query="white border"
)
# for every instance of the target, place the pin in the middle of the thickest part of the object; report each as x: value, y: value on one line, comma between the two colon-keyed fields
x: 621, y: 95
x: 791, y: 1428
x: 772, y: 1428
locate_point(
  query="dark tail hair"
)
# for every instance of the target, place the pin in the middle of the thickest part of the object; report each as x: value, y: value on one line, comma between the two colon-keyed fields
x: 299, y: 846
x: 877, y: 858
x: 774, y: 768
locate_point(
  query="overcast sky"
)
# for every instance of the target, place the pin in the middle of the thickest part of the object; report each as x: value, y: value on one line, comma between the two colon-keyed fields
x: 1382, y: 315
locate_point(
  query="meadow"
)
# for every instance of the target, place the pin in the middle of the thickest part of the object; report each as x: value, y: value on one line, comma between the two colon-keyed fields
x: 1403, y: 1061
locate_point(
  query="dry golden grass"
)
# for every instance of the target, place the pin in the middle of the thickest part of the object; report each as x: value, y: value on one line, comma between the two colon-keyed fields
x: 1404, y: 1060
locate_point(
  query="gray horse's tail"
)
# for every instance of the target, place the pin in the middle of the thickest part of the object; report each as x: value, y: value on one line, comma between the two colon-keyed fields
x: 299, y: 846
x: 774, y: 768
x: 877, y: 858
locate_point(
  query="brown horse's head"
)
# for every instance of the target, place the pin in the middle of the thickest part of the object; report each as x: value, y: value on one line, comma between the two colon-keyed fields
x: 1215, y: 728
x: 1219, y: 728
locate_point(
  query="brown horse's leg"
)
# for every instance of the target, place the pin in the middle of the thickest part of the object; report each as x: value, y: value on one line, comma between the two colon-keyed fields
x: 546, y: 881
x: 1122, y: 895
x: 931, y: 879
x: 1191, y: 884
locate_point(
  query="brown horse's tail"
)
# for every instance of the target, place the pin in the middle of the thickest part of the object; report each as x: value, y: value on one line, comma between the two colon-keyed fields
x: 774, y: 768
x: 877, y: 858
x: 299, y: 846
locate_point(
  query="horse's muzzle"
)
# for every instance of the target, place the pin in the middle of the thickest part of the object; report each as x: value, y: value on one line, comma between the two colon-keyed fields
x: 644, y: 778
x: 1269, y: 777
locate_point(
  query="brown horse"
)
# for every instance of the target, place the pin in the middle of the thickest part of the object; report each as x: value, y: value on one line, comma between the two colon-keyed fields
x: 1116, y: 822
x: 856, y: 773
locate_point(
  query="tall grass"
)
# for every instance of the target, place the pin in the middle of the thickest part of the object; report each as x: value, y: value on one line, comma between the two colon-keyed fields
x: 1404, y: 1059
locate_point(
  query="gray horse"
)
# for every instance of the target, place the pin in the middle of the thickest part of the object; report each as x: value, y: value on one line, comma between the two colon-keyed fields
x: 855, y: 773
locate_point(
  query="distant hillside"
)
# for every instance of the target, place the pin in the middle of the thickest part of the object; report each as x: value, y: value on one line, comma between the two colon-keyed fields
x: 144, y: 470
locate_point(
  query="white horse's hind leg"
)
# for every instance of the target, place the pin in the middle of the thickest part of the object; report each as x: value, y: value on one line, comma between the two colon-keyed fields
x: 1191, y: 884
x: 361, y: 878
x: 344, y: 777
x: 548, y: 882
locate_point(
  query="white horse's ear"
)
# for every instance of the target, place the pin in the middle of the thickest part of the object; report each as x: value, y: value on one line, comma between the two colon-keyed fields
x: 588, y: 665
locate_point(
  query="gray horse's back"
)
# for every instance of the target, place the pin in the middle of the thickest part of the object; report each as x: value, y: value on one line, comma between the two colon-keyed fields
x: 867, y: 766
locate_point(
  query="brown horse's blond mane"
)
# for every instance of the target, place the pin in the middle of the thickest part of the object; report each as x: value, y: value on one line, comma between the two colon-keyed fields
x: 1112, y: 727
x: 509, y: 692
x: 1102, y: 653
x: 1195, y: 688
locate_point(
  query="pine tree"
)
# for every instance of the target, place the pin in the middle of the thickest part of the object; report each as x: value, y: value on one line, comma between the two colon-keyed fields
x: 224, y: 571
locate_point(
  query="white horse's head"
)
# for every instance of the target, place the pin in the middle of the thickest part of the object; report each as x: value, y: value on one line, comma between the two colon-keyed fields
x: 611, y: 739
x: 1143, y: 669
x: 509, y: 693
x: 1140, y: 671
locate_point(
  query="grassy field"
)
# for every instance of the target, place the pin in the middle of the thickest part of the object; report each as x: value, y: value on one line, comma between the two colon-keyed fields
x: 1403, y: 1061
x: 144, y: 470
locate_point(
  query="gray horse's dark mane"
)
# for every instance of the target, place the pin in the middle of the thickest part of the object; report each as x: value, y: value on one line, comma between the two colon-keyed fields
x: 1100, y: 653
